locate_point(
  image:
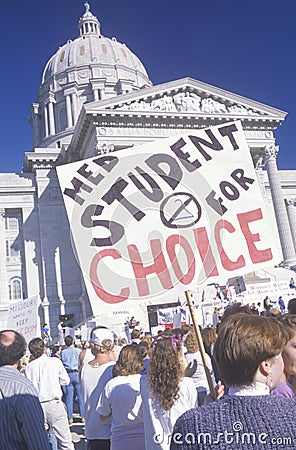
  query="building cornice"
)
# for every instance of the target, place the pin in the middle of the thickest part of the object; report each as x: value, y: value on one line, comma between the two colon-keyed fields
x: 40, y: 160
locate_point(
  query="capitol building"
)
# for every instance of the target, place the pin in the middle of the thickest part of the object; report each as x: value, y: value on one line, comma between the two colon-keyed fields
x: 96, y: 97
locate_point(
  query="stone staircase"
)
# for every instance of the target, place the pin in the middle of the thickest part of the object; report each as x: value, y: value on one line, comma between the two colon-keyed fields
x: 270, y: 274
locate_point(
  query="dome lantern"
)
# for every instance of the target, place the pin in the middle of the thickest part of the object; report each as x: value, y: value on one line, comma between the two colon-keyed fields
x: 88, y: 23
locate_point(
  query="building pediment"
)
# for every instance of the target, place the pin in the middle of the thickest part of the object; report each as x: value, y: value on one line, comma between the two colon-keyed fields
x: 163, y: 110
x: 188, y: 97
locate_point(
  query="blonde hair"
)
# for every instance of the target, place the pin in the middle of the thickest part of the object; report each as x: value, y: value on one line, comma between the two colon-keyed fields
x: 191, y: 342
x: 106, y: 347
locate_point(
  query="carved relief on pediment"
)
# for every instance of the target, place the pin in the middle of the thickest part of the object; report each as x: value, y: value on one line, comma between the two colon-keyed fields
x: 103, y: 148
x: 187, y: 102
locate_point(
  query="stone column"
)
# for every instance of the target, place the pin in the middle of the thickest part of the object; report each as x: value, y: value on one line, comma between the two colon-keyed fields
x: 75, y: 107
x: 45, y: 121
x: 57, y: 261
x: 51, y: 118
x: 4, y: 293
x: 45, y: 305
x: 35, y: 124
x: 96, y: 95
x: 69, y: 112
x: 291, y: 203
x: 281, y: 215
x: 62, y: 308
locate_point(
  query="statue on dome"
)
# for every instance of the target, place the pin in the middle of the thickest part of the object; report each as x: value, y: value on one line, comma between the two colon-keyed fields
x: 87, y: 6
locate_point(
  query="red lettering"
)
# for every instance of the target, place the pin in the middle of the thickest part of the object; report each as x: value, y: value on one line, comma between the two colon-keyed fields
x: 159, y: 267
x: 225, y: 261
x: 171, y: 243
x: 205, y: 252
x: 98, y: 288
x: 256, y: 255
x: 182, y: 257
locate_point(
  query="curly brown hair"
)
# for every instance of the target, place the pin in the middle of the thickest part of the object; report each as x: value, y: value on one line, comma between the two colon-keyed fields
x: 165, y: 370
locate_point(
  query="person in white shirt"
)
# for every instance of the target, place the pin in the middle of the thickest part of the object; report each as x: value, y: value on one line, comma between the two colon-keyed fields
x: 122, y: 400
x: 48, y: 375
x: 166, y: 392
x: 94, y: 375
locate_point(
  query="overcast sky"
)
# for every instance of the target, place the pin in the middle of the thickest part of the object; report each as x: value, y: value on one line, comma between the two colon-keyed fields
x: 244, y: 47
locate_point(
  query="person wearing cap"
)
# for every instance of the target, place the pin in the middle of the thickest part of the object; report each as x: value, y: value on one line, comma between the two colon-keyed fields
x: 70, y: 357
x: 93, y: 377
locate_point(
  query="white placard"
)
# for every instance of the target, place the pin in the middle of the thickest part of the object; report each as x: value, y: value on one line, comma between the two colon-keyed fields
x: 152, y: 221
x: 23, y: 317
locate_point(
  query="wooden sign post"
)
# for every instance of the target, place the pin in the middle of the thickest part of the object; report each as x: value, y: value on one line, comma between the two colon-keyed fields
x: 200, y: 343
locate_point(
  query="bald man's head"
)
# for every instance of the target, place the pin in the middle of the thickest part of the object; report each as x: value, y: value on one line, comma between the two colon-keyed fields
x: 12, y: 347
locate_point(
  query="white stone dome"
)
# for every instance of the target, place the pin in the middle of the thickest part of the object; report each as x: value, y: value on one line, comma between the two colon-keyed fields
x: 92, y: 49
x: 90, y: 68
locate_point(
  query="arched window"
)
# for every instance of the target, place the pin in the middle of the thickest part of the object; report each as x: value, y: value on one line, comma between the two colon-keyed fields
x: 15, y: 289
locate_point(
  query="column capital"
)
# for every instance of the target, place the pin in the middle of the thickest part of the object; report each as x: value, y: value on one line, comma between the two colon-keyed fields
x: 34, y: 109
x: 2, y: 213
x: 70, y: 90
x: 51, y: 97
x: 45, y: 303
x: 271, y: 151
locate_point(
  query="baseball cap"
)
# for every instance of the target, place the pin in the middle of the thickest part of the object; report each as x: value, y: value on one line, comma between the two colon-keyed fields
x: 100, y: 334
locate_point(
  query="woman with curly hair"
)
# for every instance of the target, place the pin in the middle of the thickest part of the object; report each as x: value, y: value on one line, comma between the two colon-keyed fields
x: 122, y: 401
x: 166, y: 392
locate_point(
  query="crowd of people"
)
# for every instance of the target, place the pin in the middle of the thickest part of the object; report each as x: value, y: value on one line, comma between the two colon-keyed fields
x: 153, y: 393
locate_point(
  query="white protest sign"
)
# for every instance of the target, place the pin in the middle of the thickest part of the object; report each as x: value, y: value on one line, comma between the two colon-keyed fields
x: 257, y: 291
x: 152, y: 221
x: 23, y: 317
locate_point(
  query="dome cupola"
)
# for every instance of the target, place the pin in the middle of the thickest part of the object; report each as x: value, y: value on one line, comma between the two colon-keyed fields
x: 89, y: 68
x: 88, y: 24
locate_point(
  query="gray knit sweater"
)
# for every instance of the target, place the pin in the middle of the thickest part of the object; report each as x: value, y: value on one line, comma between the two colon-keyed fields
x: 235, y: 423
